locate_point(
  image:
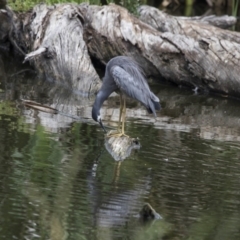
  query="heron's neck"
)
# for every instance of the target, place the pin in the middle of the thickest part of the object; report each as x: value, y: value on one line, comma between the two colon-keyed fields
x: 100, y: 98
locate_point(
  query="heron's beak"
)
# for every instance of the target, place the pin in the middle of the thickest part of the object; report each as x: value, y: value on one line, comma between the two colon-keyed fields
x: 100, y: 122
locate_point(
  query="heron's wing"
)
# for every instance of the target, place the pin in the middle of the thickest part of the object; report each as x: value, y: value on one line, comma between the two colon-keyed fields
x: 134, y: 87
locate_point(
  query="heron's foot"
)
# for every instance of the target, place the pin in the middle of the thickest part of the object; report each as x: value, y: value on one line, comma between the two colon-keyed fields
x: 116, y: 134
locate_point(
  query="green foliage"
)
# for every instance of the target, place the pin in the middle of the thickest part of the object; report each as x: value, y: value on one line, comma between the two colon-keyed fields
x: 235, y: 6
x: 25, y: 5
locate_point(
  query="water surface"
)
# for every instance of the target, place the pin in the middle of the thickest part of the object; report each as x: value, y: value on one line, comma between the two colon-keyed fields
x: 57, y: 180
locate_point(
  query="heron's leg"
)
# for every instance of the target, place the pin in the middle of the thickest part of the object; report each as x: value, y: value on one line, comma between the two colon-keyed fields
x: 123, y: 116
x: 120, y: 113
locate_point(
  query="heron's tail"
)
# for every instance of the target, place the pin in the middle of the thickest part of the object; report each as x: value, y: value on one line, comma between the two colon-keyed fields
x: 153, y: 106
x: 157, y: 105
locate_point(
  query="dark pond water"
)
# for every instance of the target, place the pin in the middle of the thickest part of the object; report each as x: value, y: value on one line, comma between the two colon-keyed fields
x: 57, y: 180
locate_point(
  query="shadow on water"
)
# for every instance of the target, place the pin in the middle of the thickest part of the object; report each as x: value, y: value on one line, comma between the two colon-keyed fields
x: 57, y: 181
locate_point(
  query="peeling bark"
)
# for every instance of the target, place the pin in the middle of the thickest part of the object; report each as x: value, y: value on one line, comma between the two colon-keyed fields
x: 55, y: 37
x: 189, y: 27
x: 60, y: 39
x: 205, y: 61
x: 167, y: 23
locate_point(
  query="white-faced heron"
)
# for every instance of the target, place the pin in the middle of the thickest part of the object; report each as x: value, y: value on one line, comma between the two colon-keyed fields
x: 124, y: 75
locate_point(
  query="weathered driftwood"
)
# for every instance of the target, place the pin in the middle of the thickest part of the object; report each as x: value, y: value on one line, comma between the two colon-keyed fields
x: 111, y: 30
x: 60, y: 38
x: 40, y: 107
x: 217, y: 21
x: 167, y: 23
x: 55, y: 39
x: 207, y: 60
x: 188, y: 27
x: 121, y: 147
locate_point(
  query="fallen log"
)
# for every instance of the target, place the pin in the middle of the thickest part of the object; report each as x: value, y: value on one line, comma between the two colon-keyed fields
x: 60, y: 38
x: 55, y: 39
x: 189, y: 27
x: 224, y: 21
x: 204, y: 62
x: 167, y: 23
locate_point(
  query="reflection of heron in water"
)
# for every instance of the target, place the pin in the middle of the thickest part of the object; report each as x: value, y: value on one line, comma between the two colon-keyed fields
x: 124, y: 75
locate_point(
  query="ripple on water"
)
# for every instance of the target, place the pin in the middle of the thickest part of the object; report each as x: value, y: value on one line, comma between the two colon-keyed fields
x: 59, y: 182
x: 192, y: 177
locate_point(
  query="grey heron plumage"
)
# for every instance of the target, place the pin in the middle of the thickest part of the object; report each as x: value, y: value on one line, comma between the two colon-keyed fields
x: 124, y: 75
